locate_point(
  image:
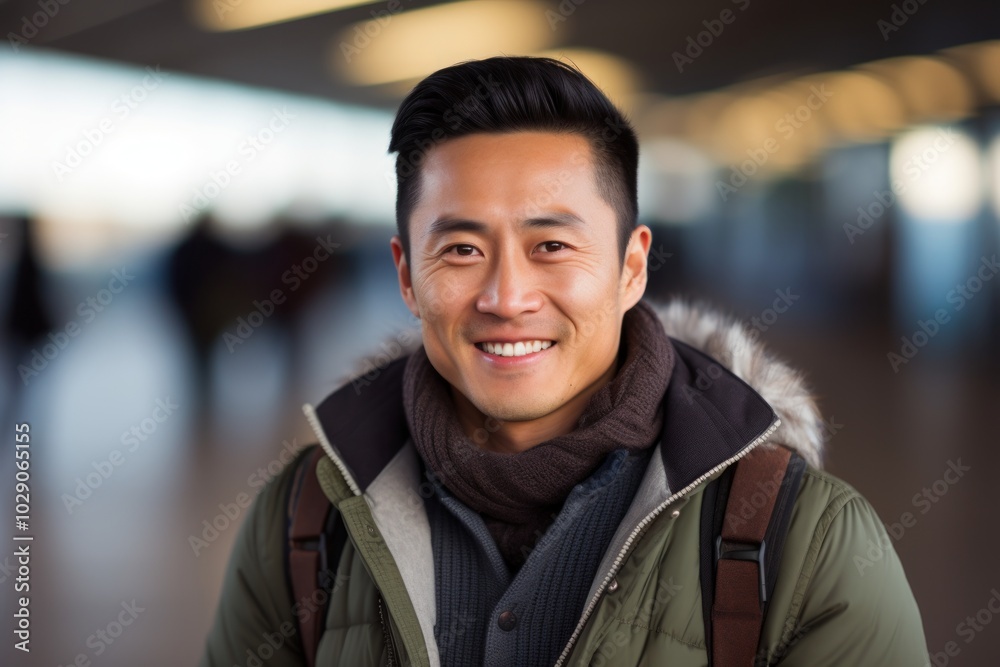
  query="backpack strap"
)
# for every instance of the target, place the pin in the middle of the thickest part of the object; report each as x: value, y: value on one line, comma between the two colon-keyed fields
x: 315, y: 533
x: 745, y: 517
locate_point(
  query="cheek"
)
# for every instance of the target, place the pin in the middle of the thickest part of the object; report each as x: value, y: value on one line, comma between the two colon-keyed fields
x: 432, y: 297
x: 439, y: 351
x: 591, y: 303
x: 441, y: 302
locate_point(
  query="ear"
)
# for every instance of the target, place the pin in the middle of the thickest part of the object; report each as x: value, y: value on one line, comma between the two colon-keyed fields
x: 634, y: 275
x: 403, y: 272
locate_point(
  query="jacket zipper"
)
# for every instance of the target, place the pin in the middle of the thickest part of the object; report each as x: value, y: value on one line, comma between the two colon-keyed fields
x: 642, y: 525
x: 328, y: 448
x: 386, y: 635
x: 313, y: 419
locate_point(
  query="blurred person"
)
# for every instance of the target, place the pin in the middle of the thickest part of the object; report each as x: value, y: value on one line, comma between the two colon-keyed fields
x: 551, y: 469
x: 222, y: 281
x: 27, y: 318
x: 28, y: 325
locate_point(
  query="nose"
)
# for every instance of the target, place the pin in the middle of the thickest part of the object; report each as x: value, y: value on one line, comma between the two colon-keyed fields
x: 510, y: 288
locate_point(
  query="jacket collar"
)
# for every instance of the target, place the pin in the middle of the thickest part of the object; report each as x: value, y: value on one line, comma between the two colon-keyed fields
x: 362, y: 425
x: 710, y: 415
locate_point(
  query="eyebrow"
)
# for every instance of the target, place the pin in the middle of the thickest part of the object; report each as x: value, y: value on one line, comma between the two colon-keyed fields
x: 554, y: 220
x: 446, y: 225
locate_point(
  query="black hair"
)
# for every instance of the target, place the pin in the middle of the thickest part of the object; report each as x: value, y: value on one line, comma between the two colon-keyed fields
x: 511, y: 94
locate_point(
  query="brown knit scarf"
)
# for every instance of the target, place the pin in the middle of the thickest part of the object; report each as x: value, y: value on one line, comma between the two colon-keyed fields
x: 519, y: 495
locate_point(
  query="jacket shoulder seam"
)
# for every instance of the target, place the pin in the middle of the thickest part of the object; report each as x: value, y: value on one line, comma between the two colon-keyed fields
x: 825, y: 478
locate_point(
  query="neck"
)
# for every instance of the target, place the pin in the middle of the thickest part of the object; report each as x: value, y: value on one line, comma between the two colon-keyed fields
x: 514, y: 437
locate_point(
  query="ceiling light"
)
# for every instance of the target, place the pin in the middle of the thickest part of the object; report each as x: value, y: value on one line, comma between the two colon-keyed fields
x: 417, y: 42
x: 862, y: 107
x: 988, y: 68
x: 930, y: 88
x: 222, y: 15
x: 937, y: 174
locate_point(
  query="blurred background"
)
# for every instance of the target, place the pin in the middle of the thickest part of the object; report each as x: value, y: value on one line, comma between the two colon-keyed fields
x: 195, y: 208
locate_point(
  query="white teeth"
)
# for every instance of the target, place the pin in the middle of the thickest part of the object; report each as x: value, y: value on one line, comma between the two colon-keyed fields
x: 518, y: 349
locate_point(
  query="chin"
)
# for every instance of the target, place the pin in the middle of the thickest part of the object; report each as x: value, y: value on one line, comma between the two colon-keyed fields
x: 502, y: 409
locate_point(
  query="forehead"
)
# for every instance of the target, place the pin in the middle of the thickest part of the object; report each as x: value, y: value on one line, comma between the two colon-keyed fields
x: 503, y: 168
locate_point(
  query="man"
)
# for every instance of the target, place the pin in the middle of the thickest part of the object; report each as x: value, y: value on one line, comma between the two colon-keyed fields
x: 524, y: 483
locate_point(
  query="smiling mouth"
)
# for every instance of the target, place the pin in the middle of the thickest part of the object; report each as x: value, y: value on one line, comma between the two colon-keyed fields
x: 518, y: 349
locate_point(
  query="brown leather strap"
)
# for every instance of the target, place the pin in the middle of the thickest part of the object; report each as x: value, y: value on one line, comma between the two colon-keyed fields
x: 737, y: 615
x: 308, y: 510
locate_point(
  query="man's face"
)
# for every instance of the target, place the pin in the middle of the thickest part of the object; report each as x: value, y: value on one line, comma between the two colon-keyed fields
x: 514, y: 271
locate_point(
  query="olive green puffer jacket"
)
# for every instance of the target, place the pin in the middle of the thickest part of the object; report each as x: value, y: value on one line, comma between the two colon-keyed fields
x: 833, y: 604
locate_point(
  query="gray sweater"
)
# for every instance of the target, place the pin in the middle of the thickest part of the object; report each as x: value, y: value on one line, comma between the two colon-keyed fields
x: 487, y: 614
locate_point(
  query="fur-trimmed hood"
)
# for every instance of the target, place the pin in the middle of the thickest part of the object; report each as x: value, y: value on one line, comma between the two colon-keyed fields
x: 737, y: 348
x: 724, y: 338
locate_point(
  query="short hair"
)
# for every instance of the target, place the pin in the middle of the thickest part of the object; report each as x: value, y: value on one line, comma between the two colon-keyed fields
x: 511, y: 94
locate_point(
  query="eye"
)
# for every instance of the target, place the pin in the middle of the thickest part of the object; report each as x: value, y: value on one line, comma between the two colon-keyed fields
x: 552, y: 246
x: 461, y: 249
